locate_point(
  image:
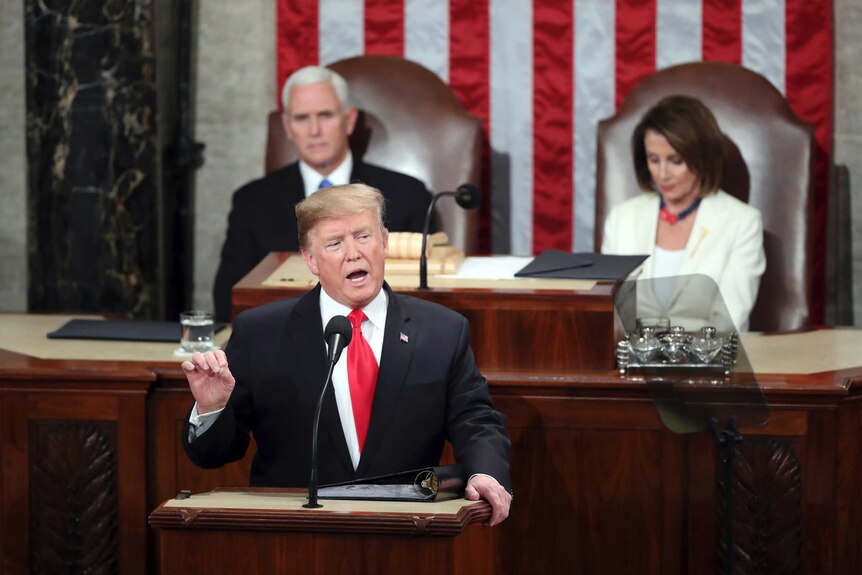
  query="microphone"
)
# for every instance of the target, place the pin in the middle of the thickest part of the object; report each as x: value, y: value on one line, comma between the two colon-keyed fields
x: 337, y: 335
x: 468, y: 196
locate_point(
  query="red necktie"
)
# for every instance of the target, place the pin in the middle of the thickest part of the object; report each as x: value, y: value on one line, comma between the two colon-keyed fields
x: 362, y: 375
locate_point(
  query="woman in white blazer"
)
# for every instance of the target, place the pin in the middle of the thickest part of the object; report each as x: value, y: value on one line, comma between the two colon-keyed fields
x: 686, y: 223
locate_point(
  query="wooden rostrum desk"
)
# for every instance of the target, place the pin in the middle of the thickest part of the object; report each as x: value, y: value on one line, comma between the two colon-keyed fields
x: 523, y: 325
x: 90, y: 445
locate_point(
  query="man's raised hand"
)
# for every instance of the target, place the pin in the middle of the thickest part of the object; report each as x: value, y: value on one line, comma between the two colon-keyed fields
x: 209, y: 379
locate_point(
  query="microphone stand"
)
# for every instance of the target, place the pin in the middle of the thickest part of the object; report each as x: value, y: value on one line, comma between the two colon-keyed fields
x: 467, y: 196
x: 312, y: 482
x: 423, y: 256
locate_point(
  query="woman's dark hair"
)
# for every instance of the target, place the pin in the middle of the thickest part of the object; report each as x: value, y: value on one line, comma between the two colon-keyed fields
x: 691, y: 130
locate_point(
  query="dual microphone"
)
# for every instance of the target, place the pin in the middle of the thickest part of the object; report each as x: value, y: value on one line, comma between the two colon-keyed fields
x: 337, y: 335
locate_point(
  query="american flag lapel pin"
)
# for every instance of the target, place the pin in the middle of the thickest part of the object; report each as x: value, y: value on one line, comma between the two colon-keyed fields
x: 403, y: 337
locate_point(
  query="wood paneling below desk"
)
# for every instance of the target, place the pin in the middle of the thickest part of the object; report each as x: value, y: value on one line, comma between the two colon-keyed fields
x: 601, y: 486
x: 74, y: 479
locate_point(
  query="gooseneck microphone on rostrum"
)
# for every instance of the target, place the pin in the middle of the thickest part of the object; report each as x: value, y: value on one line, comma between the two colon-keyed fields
x: 468, y: 197
x: 337, y: 335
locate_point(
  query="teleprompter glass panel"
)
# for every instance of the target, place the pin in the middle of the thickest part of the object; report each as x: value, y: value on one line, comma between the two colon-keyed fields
x: 680, y: 339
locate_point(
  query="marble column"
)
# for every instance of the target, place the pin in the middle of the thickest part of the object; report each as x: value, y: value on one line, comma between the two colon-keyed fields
x: 93, y: 177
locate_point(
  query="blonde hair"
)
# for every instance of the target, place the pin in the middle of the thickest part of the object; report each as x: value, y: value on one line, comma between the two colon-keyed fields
x: 338, y: 202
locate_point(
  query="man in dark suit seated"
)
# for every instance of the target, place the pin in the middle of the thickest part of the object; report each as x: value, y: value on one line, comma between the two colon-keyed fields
x: 318, y: 119
x: 407, y: 382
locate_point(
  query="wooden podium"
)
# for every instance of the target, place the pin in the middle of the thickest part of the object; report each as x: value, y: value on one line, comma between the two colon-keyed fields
x: 268, y: 531
x: 575, y: 317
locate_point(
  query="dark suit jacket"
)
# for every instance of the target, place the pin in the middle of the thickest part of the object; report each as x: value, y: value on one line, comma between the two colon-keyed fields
x: 262, y: 219
x: 428, y: 390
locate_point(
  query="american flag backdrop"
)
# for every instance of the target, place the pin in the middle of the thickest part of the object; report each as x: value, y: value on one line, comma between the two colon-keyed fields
x: 542, y: 73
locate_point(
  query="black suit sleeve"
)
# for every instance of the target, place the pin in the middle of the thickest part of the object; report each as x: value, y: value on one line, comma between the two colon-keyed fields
x: 475, y: 427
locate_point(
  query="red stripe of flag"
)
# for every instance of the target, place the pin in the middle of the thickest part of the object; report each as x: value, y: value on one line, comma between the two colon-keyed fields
x: 553, y: 25
x: 722, y: 31
x: 808, y: 41
x: 469, y: 77
x: 296, y: 41
x: 384, y: 27
x: 635, y: 44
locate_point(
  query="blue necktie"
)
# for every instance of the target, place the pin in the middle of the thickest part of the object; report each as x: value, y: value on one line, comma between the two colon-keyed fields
x: 324, y: 183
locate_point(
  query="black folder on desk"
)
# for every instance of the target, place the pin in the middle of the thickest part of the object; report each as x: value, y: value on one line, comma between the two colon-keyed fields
x: 122, y: 330
x: 586, y: 266
x: 427, y: 484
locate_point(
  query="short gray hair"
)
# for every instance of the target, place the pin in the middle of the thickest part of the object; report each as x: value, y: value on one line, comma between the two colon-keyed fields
x: 317, y: 75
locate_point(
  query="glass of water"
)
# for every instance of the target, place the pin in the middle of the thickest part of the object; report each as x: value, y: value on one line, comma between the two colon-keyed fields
x: 197, y: 331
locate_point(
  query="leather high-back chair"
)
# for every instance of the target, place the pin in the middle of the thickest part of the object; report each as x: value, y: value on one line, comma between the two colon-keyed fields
x: 411, y: 122
x: 770, y: 165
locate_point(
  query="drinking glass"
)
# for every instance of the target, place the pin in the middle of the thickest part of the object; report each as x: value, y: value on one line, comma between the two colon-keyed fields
x: 197, y: 331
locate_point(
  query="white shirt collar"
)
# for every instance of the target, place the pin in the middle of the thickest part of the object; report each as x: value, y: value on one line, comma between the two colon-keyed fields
x: 311, y: 178
x: 372, y: 331
x: 375, y: 311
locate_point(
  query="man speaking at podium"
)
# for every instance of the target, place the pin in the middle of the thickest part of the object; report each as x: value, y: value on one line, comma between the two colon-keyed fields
x: 407, y: 382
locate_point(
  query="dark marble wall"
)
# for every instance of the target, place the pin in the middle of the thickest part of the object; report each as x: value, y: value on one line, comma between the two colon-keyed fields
x: 93, y: 176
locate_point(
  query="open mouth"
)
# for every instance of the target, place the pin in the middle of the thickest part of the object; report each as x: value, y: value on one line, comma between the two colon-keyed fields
x: 357, y: 277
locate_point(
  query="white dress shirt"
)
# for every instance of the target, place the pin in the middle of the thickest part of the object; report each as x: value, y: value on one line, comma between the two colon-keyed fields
x: 373, y: 329
x: 311, y: 178
x: 665, y: 267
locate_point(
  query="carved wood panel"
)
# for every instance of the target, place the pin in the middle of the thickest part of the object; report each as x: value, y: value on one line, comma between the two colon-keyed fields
x: 767, y: 509
x: 74, y: 507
